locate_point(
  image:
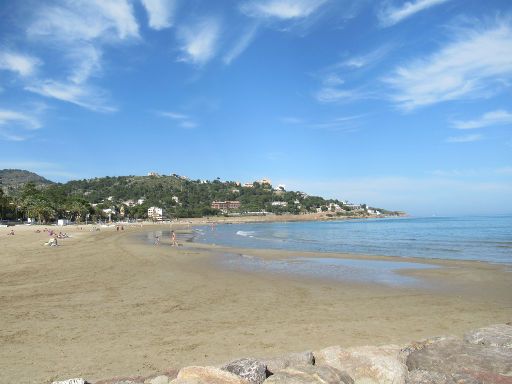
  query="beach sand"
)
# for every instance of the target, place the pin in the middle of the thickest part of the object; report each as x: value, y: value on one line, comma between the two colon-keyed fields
x: 106, y: 304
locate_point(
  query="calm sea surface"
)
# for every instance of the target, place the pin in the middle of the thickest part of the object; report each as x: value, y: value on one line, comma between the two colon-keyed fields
x: 484, y: 238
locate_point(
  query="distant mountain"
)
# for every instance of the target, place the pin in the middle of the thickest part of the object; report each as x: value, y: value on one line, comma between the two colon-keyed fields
x: 13, y: 179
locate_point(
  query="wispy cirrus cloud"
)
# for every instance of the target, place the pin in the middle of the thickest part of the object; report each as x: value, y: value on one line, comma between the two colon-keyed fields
x: 199, y: 41
x: 337, y: 124
x: 464, y: 138
x: 475, y: 64
x: 79, y: 94
x: 160, y: 13
x: 86, y: 21
x: 242, y: 43
x: 392, y: 15
x: 182, y: 120
x: 281, y: 9
x: 23, y: 65
x: 14, y: 125
x: 77, y: 30
x: 498, y: 117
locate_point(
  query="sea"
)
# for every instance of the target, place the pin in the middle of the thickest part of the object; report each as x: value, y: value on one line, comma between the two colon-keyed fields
x: 482, y: 238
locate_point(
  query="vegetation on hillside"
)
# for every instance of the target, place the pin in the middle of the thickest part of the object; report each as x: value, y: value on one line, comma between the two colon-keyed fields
x: 129, y: 197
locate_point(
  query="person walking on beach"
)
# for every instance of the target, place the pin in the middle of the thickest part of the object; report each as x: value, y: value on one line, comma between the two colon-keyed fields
x: 174, y: 243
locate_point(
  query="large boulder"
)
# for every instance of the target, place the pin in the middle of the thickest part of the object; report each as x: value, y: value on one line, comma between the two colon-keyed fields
x: 498, y: 335
x: 252, y: 370
x: 207, y: 375
x: 71, y: 381
x: 290, y: 360
x: 368, y: 365
x: 451, y: 356
x: 310, y: 374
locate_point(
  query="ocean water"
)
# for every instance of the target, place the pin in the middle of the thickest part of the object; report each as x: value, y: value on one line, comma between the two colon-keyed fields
x: 483, y: 238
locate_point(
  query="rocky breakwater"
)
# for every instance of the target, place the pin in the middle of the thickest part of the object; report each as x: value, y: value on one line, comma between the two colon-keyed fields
x: 482, y: 356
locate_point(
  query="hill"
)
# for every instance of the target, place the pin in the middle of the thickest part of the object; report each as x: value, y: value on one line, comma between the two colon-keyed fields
x: 130, y: 197
x: 13, y: 179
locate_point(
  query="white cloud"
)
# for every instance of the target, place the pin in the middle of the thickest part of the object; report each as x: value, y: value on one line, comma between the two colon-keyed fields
x: 336, y: 95
x: 391, y: 16
x: 184, y: 121
x: 81, y: 95
x: 160, y: 13
x: 23, y: 65
x: 14, y: 124
x: 498, y: 117
x: 86, y: 20
x: 464, y: 138
x: 475, y: 64
x: 87, y: 61
x: 281, y: 9
x: 367, y: 59
x: 199, y: 41
x: 241, y: 45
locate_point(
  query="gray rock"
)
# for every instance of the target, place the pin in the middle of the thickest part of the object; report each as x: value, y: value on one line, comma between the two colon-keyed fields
x: 161, y: 379
x: 484, y: 363
x: 250, y: 369
x: 498, y: 335
x: 207, y: 375
x: 429, y: 377
x: 290, y: 360
x: 310, y: 374
x: 369, y: 365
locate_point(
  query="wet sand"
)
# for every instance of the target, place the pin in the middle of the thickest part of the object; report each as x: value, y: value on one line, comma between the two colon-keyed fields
x: 106, y: 304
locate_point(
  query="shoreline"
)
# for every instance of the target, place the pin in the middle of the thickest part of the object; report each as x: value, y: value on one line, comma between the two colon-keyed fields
x: 103, y: 305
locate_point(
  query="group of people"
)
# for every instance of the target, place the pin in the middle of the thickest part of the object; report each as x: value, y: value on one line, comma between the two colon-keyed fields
x: 174, y: 241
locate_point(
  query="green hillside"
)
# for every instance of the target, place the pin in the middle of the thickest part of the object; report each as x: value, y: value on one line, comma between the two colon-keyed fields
x: 129, y: 197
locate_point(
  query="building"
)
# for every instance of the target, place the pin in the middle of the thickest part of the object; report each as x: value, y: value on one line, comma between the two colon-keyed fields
x: 265, y: 181
x: 175, y: 199
x: 153, y: 174
x: 248, y: 185
x: 225, y: 205
x: 141, y: 201
x: 279, y: 204
x: 155, y: 213
x: 129, y: 203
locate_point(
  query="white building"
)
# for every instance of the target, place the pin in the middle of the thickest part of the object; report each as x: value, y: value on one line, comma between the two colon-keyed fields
x: 155, y: 213
x: 279, y: 204
x: 175, y: 199
x: 141, y: 201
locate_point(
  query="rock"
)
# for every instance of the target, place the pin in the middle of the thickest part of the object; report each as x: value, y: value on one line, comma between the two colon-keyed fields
x: 310, y: 374
x: 369, y: 365
x: 429, y: 377
x: 71, y: 381
x: 291, y: 360
x: 207, y: 375
x: 162, y: 379
x: 498, y: 335
x: 252, y: 370
x: 451, y: 356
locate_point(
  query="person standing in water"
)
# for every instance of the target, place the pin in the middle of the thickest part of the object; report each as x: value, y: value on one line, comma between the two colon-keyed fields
x: 174, y: 243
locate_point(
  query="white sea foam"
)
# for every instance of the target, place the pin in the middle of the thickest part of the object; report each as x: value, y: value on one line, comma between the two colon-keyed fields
x: 245, y: 233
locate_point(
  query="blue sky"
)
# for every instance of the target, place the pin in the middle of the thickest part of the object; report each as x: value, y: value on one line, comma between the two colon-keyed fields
x: 402, y: 105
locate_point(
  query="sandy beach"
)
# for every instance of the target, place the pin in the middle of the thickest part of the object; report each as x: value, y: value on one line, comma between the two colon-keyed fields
x: 104, y: 303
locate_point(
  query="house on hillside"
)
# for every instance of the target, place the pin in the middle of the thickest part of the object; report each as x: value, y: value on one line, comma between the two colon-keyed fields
x: 225, y: 205
x: 155, y: 213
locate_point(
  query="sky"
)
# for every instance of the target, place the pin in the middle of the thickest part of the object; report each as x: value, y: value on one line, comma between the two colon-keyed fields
x: 404, y: 105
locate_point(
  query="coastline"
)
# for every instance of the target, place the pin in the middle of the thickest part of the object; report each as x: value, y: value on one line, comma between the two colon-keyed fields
x: 102, y: 305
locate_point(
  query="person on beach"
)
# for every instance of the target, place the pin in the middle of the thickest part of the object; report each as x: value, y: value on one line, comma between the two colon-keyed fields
x: 11, y: 233
x: 157, y: 240
x: 174, y: 243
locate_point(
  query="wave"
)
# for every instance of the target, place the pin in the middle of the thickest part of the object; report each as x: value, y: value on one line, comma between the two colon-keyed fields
x: 245, y: 233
